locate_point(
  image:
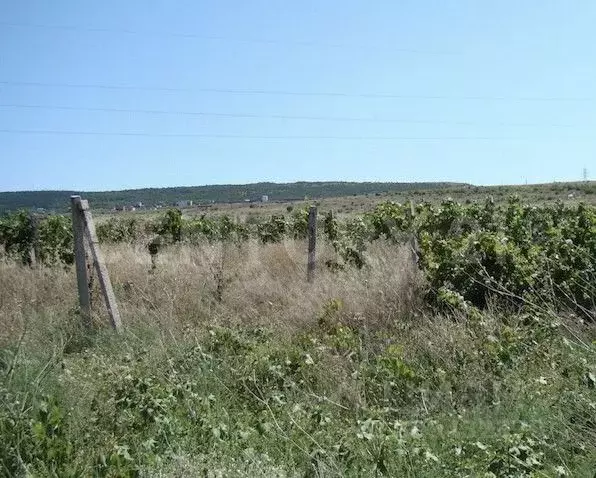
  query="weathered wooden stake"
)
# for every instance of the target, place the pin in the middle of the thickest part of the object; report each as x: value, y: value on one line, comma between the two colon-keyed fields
x: 102, y: 271
x: 78, y: 227
x: 412, y: 209
x: 312, y: 243
x: 85, y: 229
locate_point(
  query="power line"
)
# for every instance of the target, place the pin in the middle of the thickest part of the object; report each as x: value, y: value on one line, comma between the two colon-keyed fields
x: 90, y: 86
x: 293, y: 93
x: 195, y: 36
x: 273, y: 116
x: 267, y: 137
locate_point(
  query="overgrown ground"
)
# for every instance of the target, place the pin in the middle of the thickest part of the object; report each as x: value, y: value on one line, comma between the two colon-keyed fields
x: 232, y: 365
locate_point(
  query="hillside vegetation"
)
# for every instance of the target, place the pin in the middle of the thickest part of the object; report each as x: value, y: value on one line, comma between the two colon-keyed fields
x: 59, y: 200
x: 457, y: 340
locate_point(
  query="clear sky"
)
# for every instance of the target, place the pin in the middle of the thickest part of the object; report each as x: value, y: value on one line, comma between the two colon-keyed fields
x: 207, y: 92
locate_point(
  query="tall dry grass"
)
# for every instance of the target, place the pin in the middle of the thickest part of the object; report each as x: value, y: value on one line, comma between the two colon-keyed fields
x: 220, y: 284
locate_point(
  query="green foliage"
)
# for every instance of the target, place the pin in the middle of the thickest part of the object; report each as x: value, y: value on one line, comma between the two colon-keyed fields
x: 118, y: 230
x: 171, y: 225
x: 17, y: 234
x: 51, y: 238
x: 55, y: 238
x: 389, y: 220
x: 298, y: 224
x: 220, y: 228
x: 508, y: 397
x: 348, y: 240
x: 52, y: 450
x: 541, y: 254
x: 330, y: 228
x: 390, y: 379
x: 272, y: 230
x: 201, y: 228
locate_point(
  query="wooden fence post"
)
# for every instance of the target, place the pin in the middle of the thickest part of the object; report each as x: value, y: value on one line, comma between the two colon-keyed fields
x: 78, y: 227
x: 100, y: 267
x: 84, y: 228
x: 312, y: 243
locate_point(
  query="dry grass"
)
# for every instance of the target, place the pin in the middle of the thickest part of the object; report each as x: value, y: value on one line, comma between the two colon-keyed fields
x: 222, y: 284
x: 26, y: 293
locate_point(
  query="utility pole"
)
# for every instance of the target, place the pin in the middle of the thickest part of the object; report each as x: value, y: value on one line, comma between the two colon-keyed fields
x: 585, y: 174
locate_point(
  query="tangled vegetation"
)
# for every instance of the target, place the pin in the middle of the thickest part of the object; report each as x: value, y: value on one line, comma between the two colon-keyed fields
x: 527, y: 253
x: 26, y: 237
x: 498, y: 397
x: 486, y: 366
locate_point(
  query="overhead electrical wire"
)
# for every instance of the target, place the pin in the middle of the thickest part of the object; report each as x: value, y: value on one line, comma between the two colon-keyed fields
x: 331, y: 94
x: 274, y: 137
x: 220, y: 38
x: 272, y: 116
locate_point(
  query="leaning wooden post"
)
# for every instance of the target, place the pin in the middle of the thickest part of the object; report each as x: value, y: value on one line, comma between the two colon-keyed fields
x: 312, y: 243
x: 102, y: 271
x: 78, y: 227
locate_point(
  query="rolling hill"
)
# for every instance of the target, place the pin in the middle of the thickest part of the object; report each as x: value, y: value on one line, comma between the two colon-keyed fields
x: 59, y: 200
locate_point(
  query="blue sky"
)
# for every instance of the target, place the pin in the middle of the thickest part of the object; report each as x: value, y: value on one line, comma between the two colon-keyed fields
x: 480, y: 92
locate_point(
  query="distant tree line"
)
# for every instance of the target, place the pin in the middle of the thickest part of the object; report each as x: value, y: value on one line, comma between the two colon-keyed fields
x: 58, y: 201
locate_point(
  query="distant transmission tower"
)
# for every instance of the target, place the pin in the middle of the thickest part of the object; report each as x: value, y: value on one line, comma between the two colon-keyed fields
x: 585, y: 174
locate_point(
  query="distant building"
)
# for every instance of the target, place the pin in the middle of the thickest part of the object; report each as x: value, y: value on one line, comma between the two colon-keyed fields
x: 264, y: 198
x: 184, y: 203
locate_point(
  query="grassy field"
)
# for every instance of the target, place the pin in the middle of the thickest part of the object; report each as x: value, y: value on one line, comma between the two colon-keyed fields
x: 230, y: 364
